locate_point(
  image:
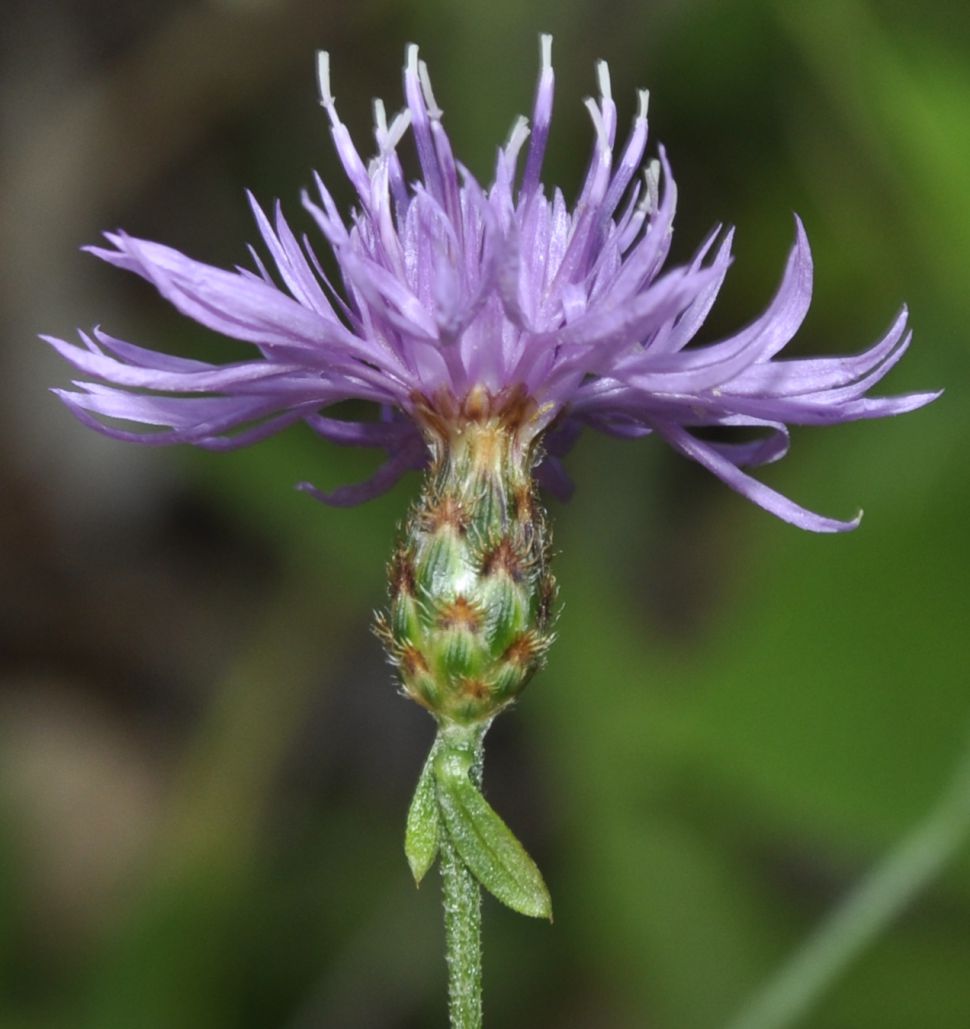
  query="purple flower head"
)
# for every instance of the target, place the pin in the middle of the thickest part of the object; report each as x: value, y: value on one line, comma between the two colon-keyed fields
x: 452, y: 294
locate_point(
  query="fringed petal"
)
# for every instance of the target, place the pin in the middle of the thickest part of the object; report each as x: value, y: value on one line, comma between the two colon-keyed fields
x: 713, y: 365
x: 816, y: 376
x: 409, y: 458
x: 677, y: 334
x: 421, y: 126
x: 757, y: 492
x: 770, y: 446
x: 346, y: 151
x: 541, y: 118
x: 290, y: 261
x: 196, y: 420
x: 601, y: 335
x: 276, y: 378
x: 239, y: 307
x: 362, y: 434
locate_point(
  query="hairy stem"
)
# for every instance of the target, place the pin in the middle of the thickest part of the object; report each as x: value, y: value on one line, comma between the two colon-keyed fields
x: 462, y: 902
x: 462, y: 899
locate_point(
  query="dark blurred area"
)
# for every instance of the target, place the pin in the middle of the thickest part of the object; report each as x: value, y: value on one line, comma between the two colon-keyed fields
x: 204, y: 766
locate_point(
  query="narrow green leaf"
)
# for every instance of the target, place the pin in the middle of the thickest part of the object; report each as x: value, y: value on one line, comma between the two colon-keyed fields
x: 485, y: 843
x: 421, y: 833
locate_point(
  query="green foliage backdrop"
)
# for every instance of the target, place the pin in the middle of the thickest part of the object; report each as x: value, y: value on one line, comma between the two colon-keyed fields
x: 205, y: 768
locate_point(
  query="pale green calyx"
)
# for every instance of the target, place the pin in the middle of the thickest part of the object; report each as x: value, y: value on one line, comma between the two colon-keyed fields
x: 470, y: 594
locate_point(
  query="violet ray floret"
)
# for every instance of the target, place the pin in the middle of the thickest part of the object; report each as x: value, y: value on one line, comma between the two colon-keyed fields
x: 450, y: 288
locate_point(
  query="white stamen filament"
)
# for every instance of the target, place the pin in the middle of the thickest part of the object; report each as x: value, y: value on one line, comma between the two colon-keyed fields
x: 411, y: 63
x: 643, y: 103
x: 598, y: 124
x: 388, y: 137
x: 400, y: 125
x: 603, y: 76
x: 545, y: 50
x: 323, y: 79
x: 518, y: 135
x: 651, y: 178
x: 380, y: 119
x: 434, y: 110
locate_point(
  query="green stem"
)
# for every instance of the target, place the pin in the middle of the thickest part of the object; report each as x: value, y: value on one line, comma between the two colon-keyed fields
x: 462, y: 899
x: 462, y: 902
x: 866, y: 912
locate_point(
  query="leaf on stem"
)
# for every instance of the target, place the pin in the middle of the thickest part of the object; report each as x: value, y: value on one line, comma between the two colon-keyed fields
x: 421, y: 832
x: 485, y: 843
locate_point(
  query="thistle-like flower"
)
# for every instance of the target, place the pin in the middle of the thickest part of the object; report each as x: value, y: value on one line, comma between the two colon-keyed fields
x: 451, y: 290
x: 489, y: 326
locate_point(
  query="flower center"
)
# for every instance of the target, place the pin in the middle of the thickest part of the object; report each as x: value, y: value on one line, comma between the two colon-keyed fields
x: 479, y: 415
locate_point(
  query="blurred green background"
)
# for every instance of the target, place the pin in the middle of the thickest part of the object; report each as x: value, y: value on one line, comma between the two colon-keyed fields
x: 204, y: 767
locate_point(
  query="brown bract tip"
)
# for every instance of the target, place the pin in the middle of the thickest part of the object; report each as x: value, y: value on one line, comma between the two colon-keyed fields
x: 459, y: 614
x: 400, y: 574
x: 504, y: 558
x: 446, y: 512
x: 548, y: 593
x: 475, y: 688
x: 524, y: 650
x: 524, y: 504
x: 412, y: 661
